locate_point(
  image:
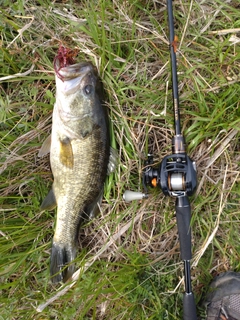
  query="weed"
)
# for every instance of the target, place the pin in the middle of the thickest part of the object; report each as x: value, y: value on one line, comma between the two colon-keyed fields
x: 132, y: 249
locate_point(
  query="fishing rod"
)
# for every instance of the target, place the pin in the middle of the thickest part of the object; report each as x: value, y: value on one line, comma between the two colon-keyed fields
x: 176, y: 177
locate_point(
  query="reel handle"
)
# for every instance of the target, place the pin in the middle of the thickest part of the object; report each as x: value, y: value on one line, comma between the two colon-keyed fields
x: 129, y: 196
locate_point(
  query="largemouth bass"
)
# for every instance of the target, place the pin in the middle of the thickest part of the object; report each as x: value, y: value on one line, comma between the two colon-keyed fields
x: 79, y: 156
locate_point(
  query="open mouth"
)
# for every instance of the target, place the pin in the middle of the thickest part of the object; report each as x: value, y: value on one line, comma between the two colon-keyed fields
x: 69, y: 79
x: 72, y: 71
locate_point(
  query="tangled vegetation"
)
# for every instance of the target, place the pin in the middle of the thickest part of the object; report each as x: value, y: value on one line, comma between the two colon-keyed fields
x: 129, y: 262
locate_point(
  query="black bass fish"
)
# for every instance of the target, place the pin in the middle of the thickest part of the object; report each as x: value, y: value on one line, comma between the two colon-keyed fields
x: 79, y: 157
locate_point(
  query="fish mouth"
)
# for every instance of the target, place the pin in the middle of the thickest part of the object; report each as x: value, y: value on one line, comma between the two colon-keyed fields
x: 73, y: 71
x: 70, y: 78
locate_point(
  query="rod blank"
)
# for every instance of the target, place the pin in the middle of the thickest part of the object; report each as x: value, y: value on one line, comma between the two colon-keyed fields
x: 172, y: 40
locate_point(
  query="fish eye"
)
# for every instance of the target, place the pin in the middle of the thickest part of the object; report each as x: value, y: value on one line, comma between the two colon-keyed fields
x: 88, y: 89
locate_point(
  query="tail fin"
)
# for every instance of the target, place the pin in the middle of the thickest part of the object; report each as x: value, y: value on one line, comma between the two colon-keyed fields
x: 61, y: 256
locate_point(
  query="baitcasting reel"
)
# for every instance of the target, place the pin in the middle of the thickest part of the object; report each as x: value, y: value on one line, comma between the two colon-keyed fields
x: 176, y: 176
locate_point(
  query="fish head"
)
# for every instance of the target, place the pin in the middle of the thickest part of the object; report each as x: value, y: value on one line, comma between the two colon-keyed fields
x: 78, y: 86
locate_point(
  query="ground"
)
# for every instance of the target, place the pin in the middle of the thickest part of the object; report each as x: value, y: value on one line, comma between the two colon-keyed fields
x: 129, y: 259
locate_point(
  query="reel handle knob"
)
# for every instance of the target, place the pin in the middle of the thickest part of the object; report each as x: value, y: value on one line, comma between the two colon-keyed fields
x: 129, y: 196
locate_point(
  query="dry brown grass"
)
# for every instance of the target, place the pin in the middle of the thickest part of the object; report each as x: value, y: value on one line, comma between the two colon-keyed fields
x: 129, y: 45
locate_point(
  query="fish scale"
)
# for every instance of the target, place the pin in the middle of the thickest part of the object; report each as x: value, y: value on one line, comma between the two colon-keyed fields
x: 79, y: 193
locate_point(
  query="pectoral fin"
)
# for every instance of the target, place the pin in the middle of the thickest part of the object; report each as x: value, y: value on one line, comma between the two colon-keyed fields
x: 49, y: 203
x: 66, y: 153
x: 45, y: 148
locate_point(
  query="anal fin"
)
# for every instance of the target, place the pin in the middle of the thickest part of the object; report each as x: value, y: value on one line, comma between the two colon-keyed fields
x: 94, y: 209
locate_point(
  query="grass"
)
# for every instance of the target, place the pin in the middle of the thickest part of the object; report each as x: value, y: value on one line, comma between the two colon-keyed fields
x: 137, y: 276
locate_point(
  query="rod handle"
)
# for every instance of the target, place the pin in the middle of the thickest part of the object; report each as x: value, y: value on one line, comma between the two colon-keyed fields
x: 183, y: 214
x: 189, y: 307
